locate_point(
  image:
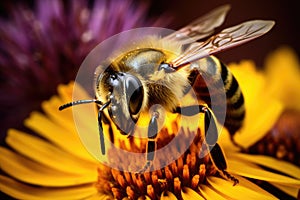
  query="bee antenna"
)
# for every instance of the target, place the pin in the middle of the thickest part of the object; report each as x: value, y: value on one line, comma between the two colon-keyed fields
x: 62, y: 107
x: 104, y: 106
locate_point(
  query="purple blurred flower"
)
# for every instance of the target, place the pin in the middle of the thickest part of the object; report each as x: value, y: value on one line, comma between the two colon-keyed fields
x: 43, y: 46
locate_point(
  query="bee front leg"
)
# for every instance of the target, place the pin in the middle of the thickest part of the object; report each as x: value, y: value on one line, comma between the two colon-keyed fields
x: 101, y: 134
x: 151, y: 144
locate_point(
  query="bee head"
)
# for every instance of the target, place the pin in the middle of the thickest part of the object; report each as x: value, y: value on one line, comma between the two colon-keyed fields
x: 126, y: 94
x: 124, y: 98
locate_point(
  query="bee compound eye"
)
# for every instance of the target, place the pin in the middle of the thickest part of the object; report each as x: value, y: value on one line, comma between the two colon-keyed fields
x: 134, y: 94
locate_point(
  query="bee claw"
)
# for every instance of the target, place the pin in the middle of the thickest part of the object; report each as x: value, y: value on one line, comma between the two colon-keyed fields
x: 230, y: 177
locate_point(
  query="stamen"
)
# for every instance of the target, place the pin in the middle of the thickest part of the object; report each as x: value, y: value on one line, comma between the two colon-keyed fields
x: 117, y: 193
x: 180, y: 163
x: 195, y: 181
x: 128, y: 178
x: 140, y: 184
x: 130, y: 193
x: 186, y: 174
x: 202, y: 172
x: 168, y: 174
x: 154, y: 179
x: 121, y: 181
x: 177, y: 186
x: 150, y: 192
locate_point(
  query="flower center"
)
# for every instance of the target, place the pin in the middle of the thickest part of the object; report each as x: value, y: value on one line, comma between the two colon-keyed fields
x: 283, y: 140
x: 189, y: 170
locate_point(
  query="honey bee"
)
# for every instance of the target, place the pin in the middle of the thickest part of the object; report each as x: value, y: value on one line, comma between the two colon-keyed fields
x: 148, y: 74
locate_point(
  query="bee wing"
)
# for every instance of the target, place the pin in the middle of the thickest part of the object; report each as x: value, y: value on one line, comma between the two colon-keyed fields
x: 201, y: 27
x: 226, y: 39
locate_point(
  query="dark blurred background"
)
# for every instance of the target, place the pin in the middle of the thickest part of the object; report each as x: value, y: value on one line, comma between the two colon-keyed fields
x: 284, y: 13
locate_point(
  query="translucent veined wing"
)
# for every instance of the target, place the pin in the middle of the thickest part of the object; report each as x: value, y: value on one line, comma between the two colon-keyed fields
x: 200, y: 28
x: 226, y: 39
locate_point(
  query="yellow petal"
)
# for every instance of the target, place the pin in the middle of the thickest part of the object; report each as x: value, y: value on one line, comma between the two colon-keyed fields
x: 81, y: 121
x: 250, y: 170
x: 64, y: 117
x: 66, y: 91
x: 188, y: 193
x: 260, y: 118
x: 272, y: 163
x: 226, y: 143
x: 262, y: 110
x: 32, y: 172
x: 48, y: 154
x: 289, y: 190
x: 99, y: 196
x: 23, y: 191
x: 60, y: 127
x: 252, y: 186
x: 250, y: 80
x: 240, y: 191
x: 60, y: 135
x: 74, y: 92
x: 83, y: 115
x: 166, y: 195
x: 209, y: 193
x: 283, y: 76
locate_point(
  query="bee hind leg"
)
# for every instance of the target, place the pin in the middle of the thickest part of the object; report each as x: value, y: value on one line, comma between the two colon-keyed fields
x: 211, y: 137
x: 216, y: 153
x: 218, y: 159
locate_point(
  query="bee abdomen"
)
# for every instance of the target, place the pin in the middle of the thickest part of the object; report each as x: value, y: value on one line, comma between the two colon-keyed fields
x: 235, y: 113
x: 218, y: 76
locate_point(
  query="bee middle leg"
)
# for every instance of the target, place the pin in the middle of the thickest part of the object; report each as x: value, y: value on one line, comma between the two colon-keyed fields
x: 151, y: 144
x: 211, y: 137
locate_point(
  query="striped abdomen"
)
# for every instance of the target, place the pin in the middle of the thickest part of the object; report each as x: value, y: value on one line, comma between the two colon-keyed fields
x: 219, y: 79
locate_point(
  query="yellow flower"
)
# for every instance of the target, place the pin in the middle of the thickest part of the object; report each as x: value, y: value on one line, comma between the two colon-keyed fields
x: 52, y: 163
